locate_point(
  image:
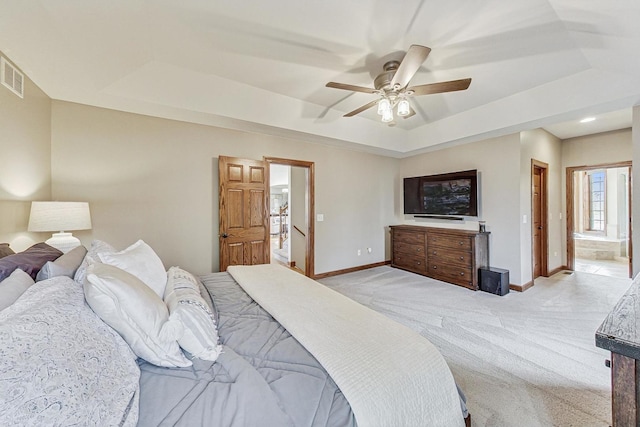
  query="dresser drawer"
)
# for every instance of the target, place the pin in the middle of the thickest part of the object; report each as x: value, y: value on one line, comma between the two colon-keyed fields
x: 440, y: 256
x: 408, y: 248
x: 451, y: 242
x: 411, y: 262
x: 408, y: 237
x: 449, y: 273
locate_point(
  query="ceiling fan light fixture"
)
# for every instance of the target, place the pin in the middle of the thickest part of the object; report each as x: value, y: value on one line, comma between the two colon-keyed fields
x: 387, y: 116
x: 384, y: 105
x: 393, y: 86
x: 404, y: 108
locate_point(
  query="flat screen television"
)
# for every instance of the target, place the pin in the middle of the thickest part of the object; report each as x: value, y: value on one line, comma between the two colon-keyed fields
x: 448, y: 194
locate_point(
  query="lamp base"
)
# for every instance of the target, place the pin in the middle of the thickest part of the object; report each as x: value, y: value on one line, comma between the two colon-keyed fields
x: 63, y: 241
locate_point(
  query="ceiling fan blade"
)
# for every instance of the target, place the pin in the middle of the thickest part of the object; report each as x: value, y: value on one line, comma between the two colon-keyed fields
x: 450, y: 86
x: 350, y: 87
x: 361, y: 109
x: 414, y: 58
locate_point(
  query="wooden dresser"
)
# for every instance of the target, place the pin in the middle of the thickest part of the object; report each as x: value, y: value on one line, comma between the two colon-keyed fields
x: 619, y: 333
x: 445, y: 254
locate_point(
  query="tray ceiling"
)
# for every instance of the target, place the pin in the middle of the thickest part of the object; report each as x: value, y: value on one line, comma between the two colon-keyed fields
x: 262, y: 66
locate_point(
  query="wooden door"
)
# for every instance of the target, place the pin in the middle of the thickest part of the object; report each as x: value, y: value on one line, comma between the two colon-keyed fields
x: 244, y: 212
x: 539, y: 219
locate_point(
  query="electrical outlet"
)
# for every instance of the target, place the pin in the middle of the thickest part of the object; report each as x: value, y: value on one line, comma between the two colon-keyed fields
x: 368, y: 250
x: 359, y: 252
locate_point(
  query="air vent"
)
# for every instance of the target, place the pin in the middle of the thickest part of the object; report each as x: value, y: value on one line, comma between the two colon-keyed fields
x: 11, y: 77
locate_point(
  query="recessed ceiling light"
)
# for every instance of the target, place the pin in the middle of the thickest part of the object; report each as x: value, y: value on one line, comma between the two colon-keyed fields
x: 587, y: 119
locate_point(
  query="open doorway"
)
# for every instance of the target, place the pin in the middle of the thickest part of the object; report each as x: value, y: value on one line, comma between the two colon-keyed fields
x: 291, y: 214
x: 599, y: 219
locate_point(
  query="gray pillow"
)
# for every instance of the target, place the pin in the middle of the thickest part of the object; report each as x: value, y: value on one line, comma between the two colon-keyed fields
x: 5, y: 250
x: 66, y: 265
x: 13, y: 286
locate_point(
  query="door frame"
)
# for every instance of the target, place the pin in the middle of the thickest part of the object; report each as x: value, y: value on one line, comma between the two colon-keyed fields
x: 544, y: 238
x: 309, y: 268
x: 571, y: 262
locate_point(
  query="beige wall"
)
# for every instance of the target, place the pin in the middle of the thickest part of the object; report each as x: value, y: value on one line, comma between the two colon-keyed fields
x: 25, y: 153
x: 498, y: 163
x: 540, y: 145
x: 156, y: 179
x: 600, y: 148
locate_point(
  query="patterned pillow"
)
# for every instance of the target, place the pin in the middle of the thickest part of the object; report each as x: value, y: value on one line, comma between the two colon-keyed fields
x: 186, y: 305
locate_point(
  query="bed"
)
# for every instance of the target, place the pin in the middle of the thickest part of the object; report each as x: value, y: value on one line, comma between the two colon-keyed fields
x: 62, y: 364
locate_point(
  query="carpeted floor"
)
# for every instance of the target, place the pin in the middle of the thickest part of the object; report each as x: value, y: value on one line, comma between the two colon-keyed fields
x: 524, y: 359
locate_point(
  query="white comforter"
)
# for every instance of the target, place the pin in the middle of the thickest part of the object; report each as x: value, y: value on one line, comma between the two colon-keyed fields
x: 61, y: 365
x: 390, y: 375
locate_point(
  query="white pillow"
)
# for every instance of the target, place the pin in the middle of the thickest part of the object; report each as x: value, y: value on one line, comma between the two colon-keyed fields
x: 12, y: 287
x: 186, y: 305
x: 130, y: 307
x: 141, y: 261
x: 91, y: 257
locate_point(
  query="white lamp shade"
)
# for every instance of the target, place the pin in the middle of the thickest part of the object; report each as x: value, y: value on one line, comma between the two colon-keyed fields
x: 404, y: 108
x: 387, y: 116
x: 383, y: 106
x: 59, y: 216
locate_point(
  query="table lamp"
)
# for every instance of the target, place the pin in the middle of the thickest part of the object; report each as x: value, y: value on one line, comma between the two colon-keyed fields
x: 60, y: 217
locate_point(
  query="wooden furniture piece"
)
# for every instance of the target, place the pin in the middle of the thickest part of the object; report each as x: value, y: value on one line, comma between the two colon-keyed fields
x: 445, y: 254
x: 620, y: 335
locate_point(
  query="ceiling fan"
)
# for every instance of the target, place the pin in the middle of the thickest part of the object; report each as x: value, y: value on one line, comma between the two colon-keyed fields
x: 392, y: 86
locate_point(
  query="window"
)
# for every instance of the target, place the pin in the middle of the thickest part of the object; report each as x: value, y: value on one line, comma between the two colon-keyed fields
x: 596, y: 200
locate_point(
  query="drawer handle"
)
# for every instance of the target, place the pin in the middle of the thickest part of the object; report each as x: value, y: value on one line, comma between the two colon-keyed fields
x: 435, y: 267
x: 419, y: 249
x: 462, y: 274
x: 461, y: 243
x: 435, y: 252
x: 461, y: 258
x: 418, y: 262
